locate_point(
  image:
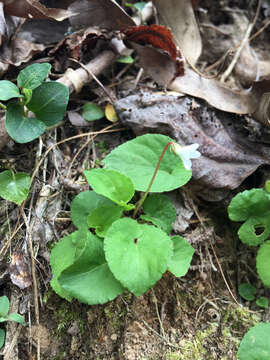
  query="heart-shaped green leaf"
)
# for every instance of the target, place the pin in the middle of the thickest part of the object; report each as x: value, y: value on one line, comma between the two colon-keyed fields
x: 111, y: 184
x: 182, y: 256
x: 20, y: 128
x: 102, y: 218
x: 253, y: 207
x: 49, y: 102
x: 262, y: 263
x: 33, y: 75
x: 83, y: 204
x: 8, y: 90
x: 14, y: 187
x: 137, y: 254
x: 62, y: 256
x: 138, y: 159
x: 160, y: 211
x: 255, y: 345
x: 89, y: 279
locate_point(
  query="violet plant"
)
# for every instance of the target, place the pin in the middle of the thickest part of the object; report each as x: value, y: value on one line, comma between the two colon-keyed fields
x: 121, y: 245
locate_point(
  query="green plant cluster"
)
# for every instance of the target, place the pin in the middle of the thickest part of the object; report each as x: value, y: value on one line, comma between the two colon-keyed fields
x: 253, y: 208
x: 5, y: 316
x: 123, y: 251
x: 34, y: 104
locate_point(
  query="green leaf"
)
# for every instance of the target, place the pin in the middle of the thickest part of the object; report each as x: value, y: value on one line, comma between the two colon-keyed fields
x: 8, y: 90
x: 62, y: 256
x: 3, y: 319
x: 14, y: 187
x: 33, y: 75
x: 138, y: 159
x: 255, y: 230
x: 247, y: 291
x: 83, y: 204
x: 91, y: 112
x: 182, y: 256
x: 249, y: 203
x: 17, y: 318
x: 263, y: 302
x: 160, y: 211
x: 49, y: 102
x: 102, y: 218
x: 262, y: 263
x: 137, y: 254
x: 111, y: 184
x: 256, y: 345
x: 4, y: 306
x: 20, y: 128
x: 89, y: 279
x: 125, y: 60
x: 27, y: 95
x: 252, y: 206
x: 2, y: 337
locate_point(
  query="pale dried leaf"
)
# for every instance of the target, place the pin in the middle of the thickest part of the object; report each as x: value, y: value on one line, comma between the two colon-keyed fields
x: 214, y: 93
x: 179, y: 17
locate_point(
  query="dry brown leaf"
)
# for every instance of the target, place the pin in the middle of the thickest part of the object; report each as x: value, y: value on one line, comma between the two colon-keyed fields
x: 19, y: 271
x: 228, y: 156
x: 106, y: 14
x: 214, y: 93
x: 179, y: 17
x: 34, y: 9
x: 19, y: 51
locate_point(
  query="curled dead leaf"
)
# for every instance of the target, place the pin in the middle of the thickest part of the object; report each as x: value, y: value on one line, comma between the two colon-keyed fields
x: 34, y: 9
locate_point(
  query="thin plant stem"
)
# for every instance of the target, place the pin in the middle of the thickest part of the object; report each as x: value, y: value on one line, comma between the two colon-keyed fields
x: 141, y: 201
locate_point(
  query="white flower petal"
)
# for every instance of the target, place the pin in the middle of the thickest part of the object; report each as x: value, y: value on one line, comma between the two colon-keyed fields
x: 186, y: 153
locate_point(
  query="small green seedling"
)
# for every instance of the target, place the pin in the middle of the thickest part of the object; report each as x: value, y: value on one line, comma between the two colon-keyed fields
x: 253, y: 207
x: 248, y: 292
x: 255, y: 345
x: 32, y: 105
x: 129, y: 244
x: 92, y: 112
x: 5, y: 316
x: 14, y: 187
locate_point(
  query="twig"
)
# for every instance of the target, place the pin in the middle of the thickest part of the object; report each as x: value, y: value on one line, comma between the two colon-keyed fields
x: 243, y: 43
x: 33, y: 268
x: 13, y: 342
x: 84, y: 145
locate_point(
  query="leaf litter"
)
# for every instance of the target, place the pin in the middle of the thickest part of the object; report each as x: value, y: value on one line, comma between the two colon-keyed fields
x: 230, y: 124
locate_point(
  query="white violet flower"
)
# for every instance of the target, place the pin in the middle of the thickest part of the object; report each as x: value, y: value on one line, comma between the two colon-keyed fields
x: 186, y: 153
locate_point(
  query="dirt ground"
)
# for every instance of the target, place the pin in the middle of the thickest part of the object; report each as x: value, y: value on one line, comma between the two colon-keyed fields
x: 199, y: 316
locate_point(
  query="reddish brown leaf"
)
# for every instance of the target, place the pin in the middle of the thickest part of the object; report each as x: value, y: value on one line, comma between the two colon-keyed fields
x: 158, y: 54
